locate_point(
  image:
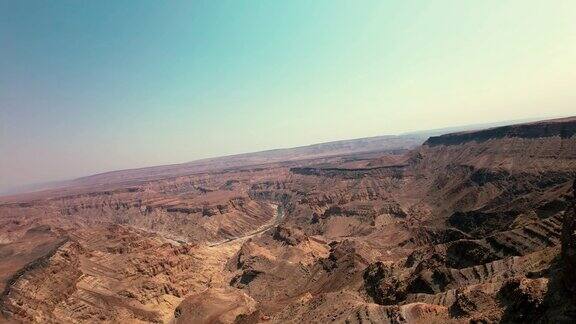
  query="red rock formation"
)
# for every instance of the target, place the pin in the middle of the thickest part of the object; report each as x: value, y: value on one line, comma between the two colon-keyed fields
x: 475, y: 226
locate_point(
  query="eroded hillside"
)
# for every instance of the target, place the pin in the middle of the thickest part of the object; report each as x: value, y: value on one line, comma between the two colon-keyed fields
x: 475, y: 226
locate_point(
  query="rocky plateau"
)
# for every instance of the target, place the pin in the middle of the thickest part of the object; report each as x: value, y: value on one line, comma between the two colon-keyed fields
x: 469, y: 227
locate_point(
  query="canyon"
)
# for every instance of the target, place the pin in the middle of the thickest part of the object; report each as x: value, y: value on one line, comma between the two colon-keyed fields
x: 473, y: 226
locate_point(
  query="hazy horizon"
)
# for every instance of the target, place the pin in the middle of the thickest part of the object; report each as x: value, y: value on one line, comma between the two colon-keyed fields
x: 89, y: 87
x: 33, y: 186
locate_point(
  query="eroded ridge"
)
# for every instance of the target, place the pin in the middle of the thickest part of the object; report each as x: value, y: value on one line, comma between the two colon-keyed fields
x: 468, y: 227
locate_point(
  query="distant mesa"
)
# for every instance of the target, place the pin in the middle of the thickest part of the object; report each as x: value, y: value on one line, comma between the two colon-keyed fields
x: 564, y: 128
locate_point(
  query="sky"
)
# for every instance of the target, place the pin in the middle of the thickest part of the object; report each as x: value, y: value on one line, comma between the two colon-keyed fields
x: 94, y: 86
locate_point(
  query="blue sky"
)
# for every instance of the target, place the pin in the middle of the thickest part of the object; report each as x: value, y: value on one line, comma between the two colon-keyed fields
x: 92, y: 86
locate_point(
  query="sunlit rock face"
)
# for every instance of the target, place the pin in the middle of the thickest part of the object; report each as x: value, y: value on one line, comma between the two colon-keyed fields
x: 475, y: 226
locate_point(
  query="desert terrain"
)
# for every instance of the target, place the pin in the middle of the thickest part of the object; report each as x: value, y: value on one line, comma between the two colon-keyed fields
x: 474, y: 226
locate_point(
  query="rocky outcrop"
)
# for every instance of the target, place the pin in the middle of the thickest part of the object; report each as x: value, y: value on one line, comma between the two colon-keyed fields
x: 563, y: 128
x: 215, y: 305
x: 524, y: 299
x: 382, y: 285
x: 569, y: 246
x: 395, y: 171
x: 289, y: 235
x: 56, y: 272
